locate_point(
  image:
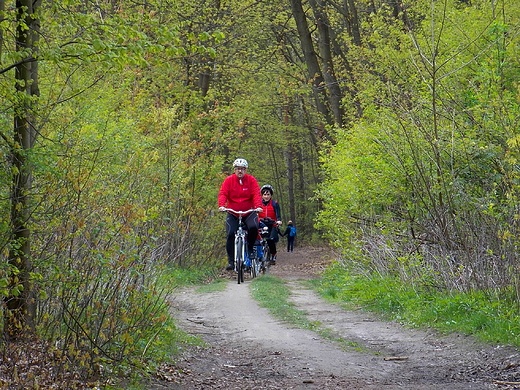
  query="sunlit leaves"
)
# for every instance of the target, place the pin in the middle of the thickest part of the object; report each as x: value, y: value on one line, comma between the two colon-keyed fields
x: 435, y: 156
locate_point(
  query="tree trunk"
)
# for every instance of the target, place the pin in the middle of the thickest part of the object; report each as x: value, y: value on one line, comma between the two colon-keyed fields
x: 2, y: 9
x: 353, y: 21
x: 335, y: 94
x: 20, y: 305
x: 311, y: 60
x: 290, y: 166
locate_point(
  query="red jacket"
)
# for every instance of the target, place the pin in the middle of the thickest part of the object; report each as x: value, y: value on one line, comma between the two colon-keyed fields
x: 240, y: 196
x: 271, y: 210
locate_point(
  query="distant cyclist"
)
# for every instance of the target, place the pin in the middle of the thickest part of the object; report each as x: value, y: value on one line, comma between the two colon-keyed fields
x: 271, y: 216
x: 240, y: 192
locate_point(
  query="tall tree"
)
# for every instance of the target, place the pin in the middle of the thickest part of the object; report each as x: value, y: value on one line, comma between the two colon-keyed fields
x: 20, y: 304
x: 314, y: 73
x: 327, y: 61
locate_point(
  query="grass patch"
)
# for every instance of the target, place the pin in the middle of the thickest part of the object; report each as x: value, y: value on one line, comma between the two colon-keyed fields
x: 273, y: 294
x: 207, y: 279
x: 490, y: 316
x: 174, y: 277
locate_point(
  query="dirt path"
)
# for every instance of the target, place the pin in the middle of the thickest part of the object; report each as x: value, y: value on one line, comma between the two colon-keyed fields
x: 248, y: 349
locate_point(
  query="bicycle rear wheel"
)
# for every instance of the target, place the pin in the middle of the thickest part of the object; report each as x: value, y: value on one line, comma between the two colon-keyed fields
x: 255, y: 265
x: 267, y: 259
x: 239, y: 259
x: 253, y: 268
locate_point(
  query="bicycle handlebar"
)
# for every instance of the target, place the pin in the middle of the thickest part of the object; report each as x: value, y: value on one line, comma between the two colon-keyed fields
x: 268, y: 221
x: 238, y: 212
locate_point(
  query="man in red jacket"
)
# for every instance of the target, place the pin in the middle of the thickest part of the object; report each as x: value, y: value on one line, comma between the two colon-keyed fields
x: 240, y: 192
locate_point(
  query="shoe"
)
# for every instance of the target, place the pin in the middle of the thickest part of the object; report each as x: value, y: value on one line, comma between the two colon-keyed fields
x: 230, y: 267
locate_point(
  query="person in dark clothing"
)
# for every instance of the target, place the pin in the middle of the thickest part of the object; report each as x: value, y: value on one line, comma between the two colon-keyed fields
x: 290, y: 233
x: 271, y: 217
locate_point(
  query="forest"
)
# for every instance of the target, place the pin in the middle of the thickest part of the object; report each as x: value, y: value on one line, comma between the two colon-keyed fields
x: 387, y: 128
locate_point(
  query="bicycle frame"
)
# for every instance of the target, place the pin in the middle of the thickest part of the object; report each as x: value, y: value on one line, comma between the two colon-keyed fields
x: 240, y: 243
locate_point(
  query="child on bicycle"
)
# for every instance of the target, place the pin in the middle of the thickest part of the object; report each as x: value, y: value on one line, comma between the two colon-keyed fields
x: 271, y: 216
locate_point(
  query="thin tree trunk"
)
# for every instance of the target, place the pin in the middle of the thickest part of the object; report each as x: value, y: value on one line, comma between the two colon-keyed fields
x: 20, y: 305
x: 353, y: 21
x: 2, y: 9
x: 311, y: 59
x: 290, y: 159
x: 327, y: 65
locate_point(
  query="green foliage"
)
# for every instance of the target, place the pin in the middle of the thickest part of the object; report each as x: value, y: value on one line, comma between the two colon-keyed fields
x: 428, y: 174
x: 114, y: 199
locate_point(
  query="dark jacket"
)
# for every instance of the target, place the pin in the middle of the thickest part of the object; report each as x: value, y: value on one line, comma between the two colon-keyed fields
x: 287, y: 230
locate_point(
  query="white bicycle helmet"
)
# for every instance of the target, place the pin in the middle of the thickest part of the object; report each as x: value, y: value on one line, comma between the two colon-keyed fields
x: 240, y: 162
x: 267, y: 187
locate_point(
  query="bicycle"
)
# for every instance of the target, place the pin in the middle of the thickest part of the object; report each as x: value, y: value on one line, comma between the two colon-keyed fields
x: 266, y: 236
x: 266, y: 263
x: 240, y: 247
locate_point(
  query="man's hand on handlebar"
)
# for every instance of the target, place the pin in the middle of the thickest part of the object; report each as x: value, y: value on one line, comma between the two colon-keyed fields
x: 259, y: 210
x: 221, y: 208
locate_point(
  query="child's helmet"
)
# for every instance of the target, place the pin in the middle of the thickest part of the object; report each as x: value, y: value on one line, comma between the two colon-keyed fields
x: 267, y: 187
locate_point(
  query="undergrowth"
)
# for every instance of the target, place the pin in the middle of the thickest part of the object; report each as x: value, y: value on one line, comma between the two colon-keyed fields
x: 170, y: 340
x: 491, y: 316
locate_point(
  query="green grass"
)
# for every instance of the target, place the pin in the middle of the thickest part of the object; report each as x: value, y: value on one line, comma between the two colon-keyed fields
x: 491, y: 316
x: 273, y: 294
x: 175, y: 277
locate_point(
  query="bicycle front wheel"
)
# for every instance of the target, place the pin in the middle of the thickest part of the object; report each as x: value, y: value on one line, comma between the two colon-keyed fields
x: 239, y: 259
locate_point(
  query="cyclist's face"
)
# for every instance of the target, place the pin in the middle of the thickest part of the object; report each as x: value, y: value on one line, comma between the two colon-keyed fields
x: 240, y: 172
x: 266, y: 195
